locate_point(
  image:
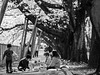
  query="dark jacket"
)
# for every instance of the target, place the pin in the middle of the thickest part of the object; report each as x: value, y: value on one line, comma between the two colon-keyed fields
x: 23, y: 63
x: 8, y: 54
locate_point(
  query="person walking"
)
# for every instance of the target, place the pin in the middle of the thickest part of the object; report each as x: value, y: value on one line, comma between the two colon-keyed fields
x: 8, y: 53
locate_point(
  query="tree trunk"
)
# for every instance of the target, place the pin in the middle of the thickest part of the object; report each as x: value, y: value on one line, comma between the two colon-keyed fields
x: 95, y: 50
x: 2, y: 11
x: 95, y: 46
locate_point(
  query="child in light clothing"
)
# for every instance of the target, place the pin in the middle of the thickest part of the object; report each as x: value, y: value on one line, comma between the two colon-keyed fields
x: 55, y: 62
x: 48, y: 59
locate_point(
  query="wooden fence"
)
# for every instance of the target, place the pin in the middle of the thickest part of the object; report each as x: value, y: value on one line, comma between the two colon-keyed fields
x: 3, y: 47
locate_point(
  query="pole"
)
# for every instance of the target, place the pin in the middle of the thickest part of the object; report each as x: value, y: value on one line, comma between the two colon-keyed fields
x: 3, y: 8
x: 33, y: 48
x: 24, y: 38
x: 32, y: 37
x: 33, y: 31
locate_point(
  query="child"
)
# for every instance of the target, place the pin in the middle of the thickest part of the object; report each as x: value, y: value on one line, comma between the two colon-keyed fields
x: 48, y: 59
x: 36, y: 53
x: 24, y: 63
x: 55, y: 62
x: 8, y: 53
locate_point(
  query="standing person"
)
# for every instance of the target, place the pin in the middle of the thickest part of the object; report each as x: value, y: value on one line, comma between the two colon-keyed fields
x: 55, y: 62
x: 8, y: 53
x: 29, y: 51
x: 36, y: 53
x: 24, y: 63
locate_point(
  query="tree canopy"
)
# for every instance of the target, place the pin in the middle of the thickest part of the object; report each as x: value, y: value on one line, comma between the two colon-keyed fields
x: 64, y: 29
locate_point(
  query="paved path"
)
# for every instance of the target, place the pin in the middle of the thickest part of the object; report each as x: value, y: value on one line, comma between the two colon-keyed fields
x: 37, y: 73
x: 23, y: 73
x: 65, y: 71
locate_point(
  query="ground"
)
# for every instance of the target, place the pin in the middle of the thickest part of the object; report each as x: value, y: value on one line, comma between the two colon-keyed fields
x: 72, y: 68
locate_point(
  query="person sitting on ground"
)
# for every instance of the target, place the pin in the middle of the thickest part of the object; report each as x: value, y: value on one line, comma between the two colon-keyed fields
x: 48, y: 59
x: 55, y: 62
x: 24, y: 63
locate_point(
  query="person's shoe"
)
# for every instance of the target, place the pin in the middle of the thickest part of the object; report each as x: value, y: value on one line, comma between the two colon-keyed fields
x: 10, y: 71
x: 7, y: 71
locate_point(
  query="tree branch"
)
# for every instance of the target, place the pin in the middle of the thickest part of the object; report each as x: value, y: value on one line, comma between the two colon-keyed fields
x: 50, y: 31
x: 52, y: 42
x: 18, y: 25
x: 55, y: 6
